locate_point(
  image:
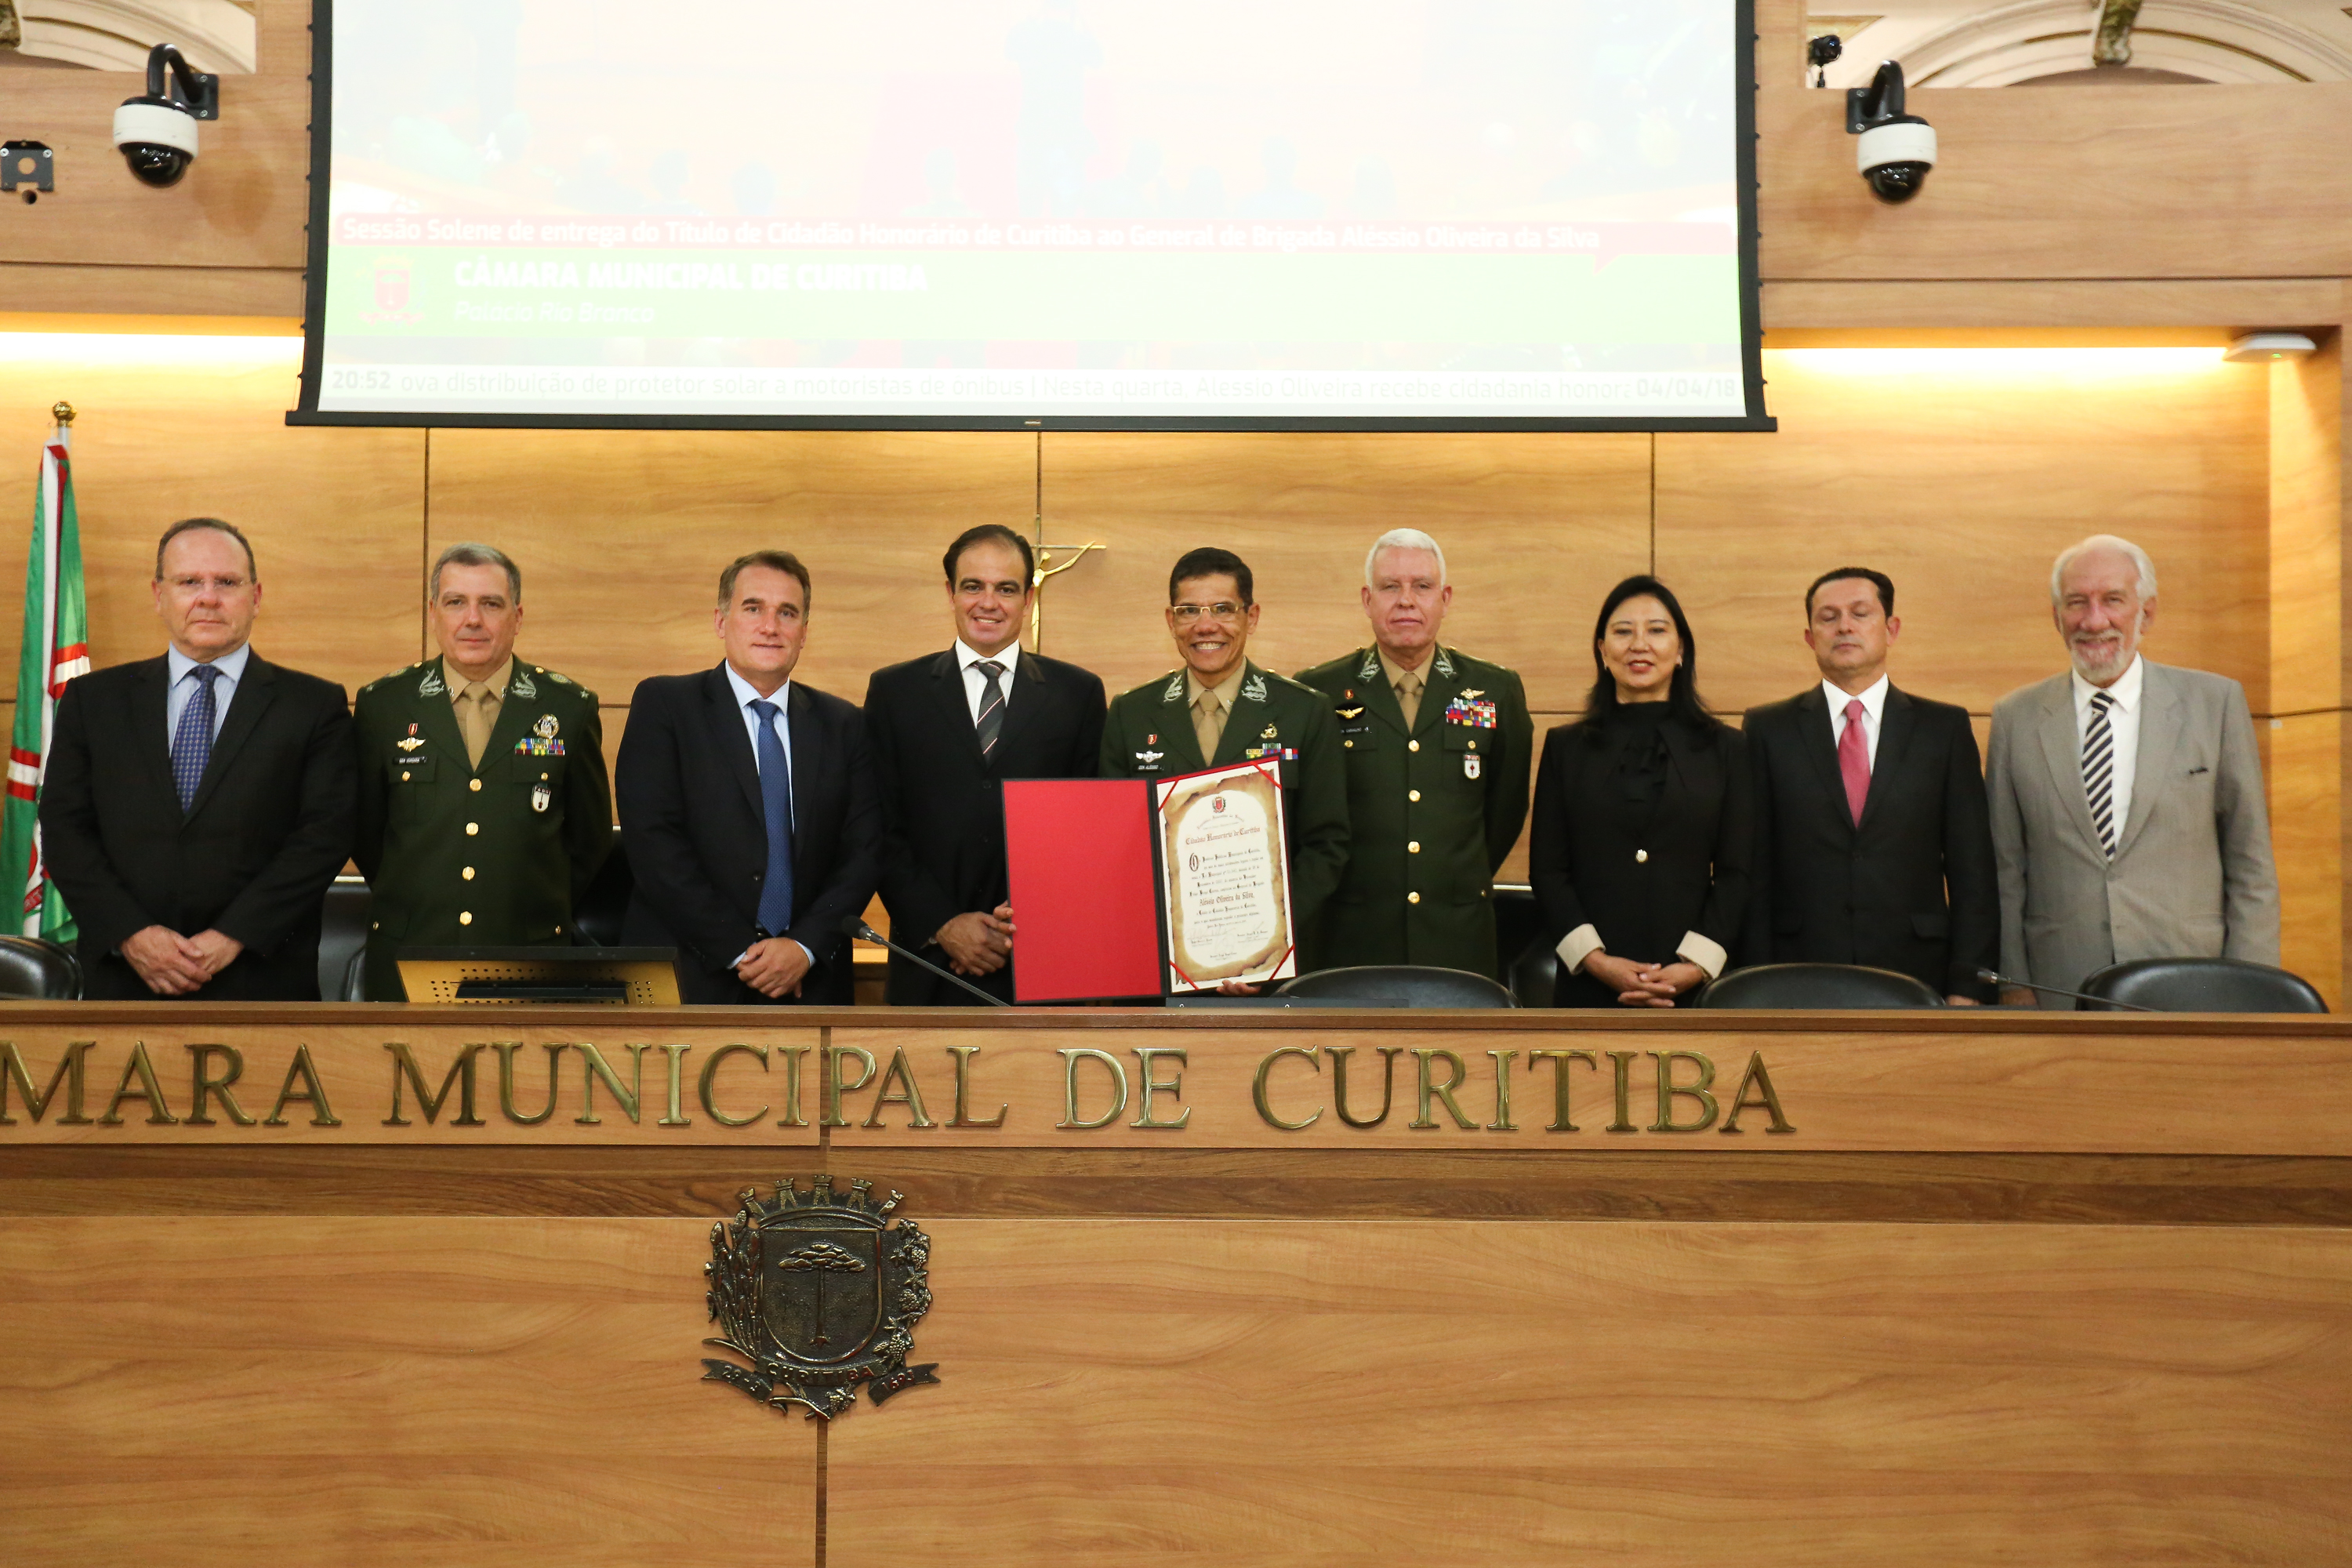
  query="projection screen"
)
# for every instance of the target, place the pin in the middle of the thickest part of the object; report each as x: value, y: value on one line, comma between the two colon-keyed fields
x: 1049, y: 214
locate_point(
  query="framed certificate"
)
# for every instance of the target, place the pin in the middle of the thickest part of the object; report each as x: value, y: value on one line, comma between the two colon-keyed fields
x: 1224, y: 877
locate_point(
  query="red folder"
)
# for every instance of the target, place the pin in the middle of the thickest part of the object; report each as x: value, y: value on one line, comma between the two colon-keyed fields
x: 1085, y: 888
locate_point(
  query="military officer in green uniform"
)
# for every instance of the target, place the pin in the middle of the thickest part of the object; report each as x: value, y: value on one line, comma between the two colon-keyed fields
x: 484, y: 806
x: 1437, y: 747
x: 1219, y: 711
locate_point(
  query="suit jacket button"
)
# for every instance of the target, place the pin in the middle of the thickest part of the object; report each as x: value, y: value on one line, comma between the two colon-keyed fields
x: 472, y: 828
x: 1413, y: 898
x: 1641, y: 856
x: 474, y: 785
x: 1412, y: 794
x: 1412, y: 745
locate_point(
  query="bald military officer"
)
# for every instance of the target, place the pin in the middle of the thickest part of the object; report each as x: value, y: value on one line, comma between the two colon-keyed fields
x: 484, y: 804
x: 1437, y: 746
x: 1219, y: 711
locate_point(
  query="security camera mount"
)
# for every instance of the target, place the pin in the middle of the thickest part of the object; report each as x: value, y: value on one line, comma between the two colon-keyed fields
x: 1896, y: 150
x: 198, y: 92
x: 1879, y: 103
x: 28, y: 166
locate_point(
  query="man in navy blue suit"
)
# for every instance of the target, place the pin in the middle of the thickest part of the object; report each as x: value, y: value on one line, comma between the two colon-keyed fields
x: 748, y: 808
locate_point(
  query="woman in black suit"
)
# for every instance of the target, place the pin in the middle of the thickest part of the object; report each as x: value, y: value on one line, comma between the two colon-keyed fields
x: 1642, y: 833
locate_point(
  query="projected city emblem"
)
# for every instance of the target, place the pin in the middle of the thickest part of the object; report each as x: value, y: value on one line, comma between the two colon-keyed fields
x: 391, y: 277
x: 819, y: 1293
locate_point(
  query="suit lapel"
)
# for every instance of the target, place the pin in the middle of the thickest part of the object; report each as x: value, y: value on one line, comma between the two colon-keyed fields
x: 440, y: 721
x: 955, y: 708
x: 1374, y: 690
x: 1815, y: 739
x: 255, y: 689
x: 150, y: 711
x: 516, y: 716
x: 2062, y: 750
x: 734, y: 738
x: 2159, y: 736
x: 1437, y: 689
x: 1024, y: 695
x: 808, y: 747
x: 1247, y: 716
x: 1176, y: 737
x: 1898, y: 721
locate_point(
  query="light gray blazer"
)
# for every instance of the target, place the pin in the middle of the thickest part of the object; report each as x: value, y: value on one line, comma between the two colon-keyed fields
x: 2192, y: 876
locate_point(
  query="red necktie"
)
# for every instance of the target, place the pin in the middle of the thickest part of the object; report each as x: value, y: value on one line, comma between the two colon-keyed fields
x: 1853, y: 759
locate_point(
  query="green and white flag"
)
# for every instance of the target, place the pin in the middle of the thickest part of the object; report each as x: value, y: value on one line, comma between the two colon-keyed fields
x: 56, y: 648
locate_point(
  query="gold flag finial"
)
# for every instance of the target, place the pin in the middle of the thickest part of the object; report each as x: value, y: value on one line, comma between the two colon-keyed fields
x: 61, y: 411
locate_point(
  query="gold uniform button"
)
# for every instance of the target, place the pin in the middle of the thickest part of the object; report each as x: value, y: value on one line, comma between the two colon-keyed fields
x: 472, y: 828
x: 1641, y: 856
x: 474, y: 785
x: 404, y: 778
x: 465, y: 917
x: 1414, y: 847
x: 1412, y: 745
x: 1350, y: 744
x: 542, y: 776
x: 1413, y: 898
x: 468, y: 873
x: 1412, y: 794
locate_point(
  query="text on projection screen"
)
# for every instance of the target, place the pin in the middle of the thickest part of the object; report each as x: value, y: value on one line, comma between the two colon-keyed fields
x: 1285, y: 208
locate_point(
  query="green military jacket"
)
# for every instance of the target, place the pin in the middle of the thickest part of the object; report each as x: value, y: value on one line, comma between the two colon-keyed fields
x: 465, y: 858
x: 1149, y: 734
x: 1432, y: 812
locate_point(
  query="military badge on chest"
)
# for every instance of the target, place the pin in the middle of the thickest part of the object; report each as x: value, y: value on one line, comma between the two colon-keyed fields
x: 815, y: 1292
x: 1472, y: 710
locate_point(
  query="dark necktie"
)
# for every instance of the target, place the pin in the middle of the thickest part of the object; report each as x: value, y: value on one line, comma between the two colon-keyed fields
x: 2099, y: 771
x: 990, y: 722
x: 192, y: 743
x: 776, y: 807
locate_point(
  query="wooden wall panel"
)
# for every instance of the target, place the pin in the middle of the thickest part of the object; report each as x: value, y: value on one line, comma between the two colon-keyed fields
x: 1962, y: 480
x: 2126, y: 181
x: 2235, y: 302
x: 1450, y: 1393
x: 244, y: 204
x: 488, y: 1391
x: 621, y: 536
x: 336, y: 516
x: 2304, y: 769
x: 1536, y: 527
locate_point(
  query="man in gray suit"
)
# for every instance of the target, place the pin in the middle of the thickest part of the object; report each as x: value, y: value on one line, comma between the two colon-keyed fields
x: 2127, y: 817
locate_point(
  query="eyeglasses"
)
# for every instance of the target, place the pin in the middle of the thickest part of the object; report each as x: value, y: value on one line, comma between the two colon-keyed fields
x: 1222, y: 611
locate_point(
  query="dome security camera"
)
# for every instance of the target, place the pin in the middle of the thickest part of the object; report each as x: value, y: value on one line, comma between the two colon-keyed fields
x: 156, y: 131
x: 1896, y: 150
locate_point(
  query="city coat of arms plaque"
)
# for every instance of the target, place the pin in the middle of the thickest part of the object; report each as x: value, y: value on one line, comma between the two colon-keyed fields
x: 819, y: 1292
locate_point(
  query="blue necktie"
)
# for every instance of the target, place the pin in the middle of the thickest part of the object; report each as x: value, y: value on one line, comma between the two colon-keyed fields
x: 776, y: 805
x: 192, y: 743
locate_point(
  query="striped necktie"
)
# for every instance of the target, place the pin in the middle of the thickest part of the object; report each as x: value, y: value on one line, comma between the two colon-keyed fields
x: 990, y: 722
x: 2099, y: 771
x: 192, y: 743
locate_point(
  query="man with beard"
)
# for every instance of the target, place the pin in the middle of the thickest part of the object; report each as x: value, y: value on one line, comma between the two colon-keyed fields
x: 2126, y: 796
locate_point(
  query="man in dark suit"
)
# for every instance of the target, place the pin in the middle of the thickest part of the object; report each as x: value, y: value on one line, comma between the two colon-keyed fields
x: 748, y: 808
x: 1874, y: 844
x: 198, y: 804
x: 947, y: 730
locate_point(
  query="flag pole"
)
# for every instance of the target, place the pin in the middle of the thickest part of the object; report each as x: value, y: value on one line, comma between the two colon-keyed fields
x: 62, y: 412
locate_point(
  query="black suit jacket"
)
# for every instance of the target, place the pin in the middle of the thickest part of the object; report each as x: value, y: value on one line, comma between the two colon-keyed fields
x: 1913, y: 887
x: 942, y: 804
x: 1642, y: 874
x: 696, y: 839
x: 252, y: 858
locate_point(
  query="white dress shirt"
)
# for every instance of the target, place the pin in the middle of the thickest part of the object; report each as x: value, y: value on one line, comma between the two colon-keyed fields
x: 975, y: 681
x: 184, y: 687
x: 2123, y: 724
x: 1873, y: 714
x: 745, y: 694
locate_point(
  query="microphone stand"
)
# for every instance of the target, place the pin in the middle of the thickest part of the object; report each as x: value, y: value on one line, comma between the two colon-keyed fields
x: 2102, y: 1003
x: 864, y: 932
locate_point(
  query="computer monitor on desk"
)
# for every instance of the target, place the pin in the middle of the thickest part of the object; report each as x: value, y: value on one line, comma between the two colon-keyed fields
x: 618, y: 976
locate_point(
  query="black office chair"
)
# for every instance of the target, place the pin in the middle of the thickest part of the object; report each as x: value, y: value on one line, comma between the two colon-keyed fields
x: 1810, y: 986
x: 596, y: 919
x: 1536, y: 977
x: 1399, y: 985
x: 32, y: 970
x: 2202, y: 985
x: 343, y: 940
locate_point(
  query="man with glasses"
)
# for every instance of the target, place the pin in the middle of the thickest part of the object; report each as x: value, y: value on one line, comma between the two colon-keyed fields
x: 198, y: 804
x: 1219, y: 709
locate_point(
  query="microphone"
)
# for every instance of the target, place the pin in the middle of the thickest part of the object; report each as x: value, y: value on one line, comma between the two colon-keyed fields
x: 2101, y: 1002
x: 855, y: 925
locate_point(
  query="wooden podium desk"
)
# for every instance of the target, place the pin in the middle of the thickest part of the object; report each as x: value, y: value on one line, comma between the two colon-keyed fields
x: 1893, y: 1288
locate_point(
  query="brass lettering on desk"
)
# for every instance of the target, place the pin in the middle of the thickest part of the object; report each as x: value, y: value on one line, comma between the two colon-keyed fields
x: 963, y: 1117
x: 1071, y: 1056
x: 71, y: 1071
x: 313, y: 1093
x: 210, y: 1085
x: 1756, y: 1079
x: 1257, y: 1090
x: 159, y: 1113
x: 507, y: 1049
x: 599, y: 1068
x: 1339, y: 1055
x: 819, y: 1297
x: 710, y: 1070
x: 461, y: 1074
x: 1561, y: 1122
x: 835, y: 1055
x: 1145, y: 1115
x: 910, y: 1095
x: 1669, y: 1091
x: 1443, y: 1091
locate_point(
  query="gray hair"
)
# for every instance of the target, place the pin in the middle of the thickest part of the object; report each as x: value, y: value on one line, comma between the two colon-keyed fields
x: 471, y: 555
x: 2145, y: 587
x: 1404, y: 539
